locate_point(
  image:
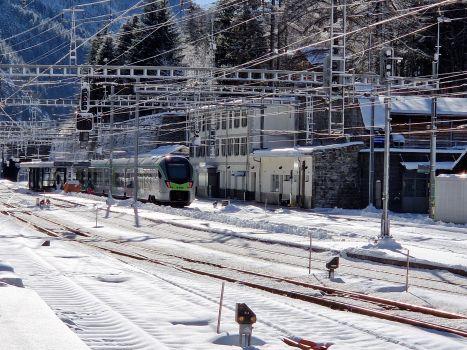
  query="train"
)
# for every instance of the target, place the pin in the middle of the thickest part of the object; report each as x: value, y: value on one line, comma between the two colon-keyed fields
x: 165, y: 179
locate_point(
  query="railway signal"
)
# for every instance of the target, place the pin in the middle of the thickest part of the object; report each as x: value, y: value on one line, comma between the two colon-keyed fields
x: 84, y: 98
x: 84, y: 121
x: 332, y: 265
x: 245, y: 317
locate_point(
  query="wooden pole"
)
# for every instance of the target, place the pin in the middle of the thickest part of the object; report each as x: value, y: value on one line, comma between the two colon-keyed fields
x: 309, y: 260
x: 407, y: 277
x: 220, y: 308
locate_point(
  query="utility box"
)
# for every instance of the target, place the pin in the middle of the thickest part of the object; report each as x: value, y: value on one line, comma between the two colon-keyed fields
x: 451, y: 199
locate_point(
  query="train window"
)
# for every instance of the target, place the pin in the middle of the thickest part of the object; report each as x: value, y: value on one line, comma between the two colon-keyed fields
x: 178, y: 172
x: 159, y: 174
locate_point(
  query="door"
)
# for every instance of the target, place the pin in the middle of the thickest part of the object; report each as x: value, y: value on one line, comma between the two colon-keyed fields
x: 415, y: 197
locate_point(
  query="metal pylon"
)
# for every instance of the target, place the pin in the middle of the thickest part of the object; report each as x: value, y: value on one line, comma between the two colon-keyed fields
x: 335, y: 67
x: 309, y: 120
x: 73, y: 46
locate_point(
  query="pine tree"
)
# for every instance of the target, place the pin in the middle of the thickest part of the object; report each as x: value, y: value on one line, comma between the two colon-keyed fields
x: 105, y: 54
x: 128, y: 35
x: 240, y: 36
x: 224, y: 38
x: 94, y: 49
x: 197, y: 36
x: 161, y: 43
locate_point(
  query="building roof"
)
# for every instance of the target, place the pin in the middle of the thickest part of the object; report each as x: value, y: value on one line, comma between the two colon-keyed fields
x: 411, y: 105
x: 300, y: 151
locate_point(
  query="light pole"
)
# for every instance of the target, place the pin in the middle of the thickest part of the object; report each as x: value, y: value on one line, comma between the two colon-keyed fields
x: 434, y: 104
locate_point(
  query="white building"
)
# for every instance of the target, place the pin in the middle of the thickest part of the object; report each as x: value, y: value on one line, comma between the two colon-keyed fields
x: 225, y: 135
x: 251, y: 152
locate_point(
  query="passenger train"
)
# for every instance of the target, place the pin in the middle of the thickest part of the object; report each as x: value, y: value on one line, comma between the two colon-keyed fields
x: 165, y: 180
x: 161, y: 179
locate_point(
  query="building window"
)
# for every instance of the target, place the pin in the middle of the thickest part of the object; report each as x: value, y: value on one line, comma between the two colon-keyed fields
x: 218, y: 121
x: 192, y: 151
x: 237, y: 119
x: 243, y: 146
x: 230, y: 147
x: 237, y: 146
x: 229, y: 117
x: 274, y: 183
x: 224, y: 147
x: 244, y: 118
x: 217, y: 147
x: 224, y: 120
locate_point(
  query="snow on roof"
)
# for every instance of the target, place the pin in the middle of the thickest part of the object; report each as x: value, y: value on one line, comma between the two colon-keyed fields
x: 439, y: 165
x: 300, y: 150
x: 457, y: 176
x: 315, y: 55
x: 164, y: 150
x: 415, y: 105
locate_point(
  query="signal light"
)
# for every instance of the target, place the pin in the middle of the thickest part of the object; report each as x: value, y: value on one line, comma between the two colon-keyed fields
x: 84, y: 98
x: 191, y: 184
x: 387, y: 63
x: 244, y: 315
x: 84, y: 121
x: 168, y: 184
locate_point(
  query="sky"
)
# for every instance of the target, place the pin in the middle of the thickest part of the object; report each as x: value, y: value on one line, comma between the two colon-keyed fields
x: 204, y: 2
x: 110, y: 302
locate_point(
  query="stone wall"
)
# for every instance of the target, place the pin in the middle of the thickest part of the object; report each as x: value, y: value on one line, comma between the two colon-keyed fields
x: 336, y: 177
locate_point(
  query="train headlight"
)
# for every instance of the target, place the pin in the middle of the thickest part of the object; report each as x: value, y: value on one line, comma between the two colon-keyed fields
x: 191, y: 184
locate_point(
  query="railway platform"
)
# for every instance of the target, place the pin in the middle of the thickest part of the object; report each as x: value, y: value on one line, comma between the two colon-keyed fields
x: 28, y: 323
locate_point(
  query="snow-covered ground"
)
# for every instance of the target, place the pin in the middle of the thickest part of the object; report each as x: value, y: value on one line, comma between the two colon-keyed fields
x: 162, y: 308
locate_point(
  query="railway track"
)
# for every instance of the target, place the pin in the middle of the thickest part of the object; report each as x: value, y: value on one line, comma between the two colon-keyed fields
x: 330, y: 297
x: 272, y: 251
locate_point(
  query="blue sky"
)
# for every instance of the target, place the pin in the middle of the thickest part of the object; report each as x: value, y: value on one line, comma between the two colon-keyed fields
x: 203, y: 2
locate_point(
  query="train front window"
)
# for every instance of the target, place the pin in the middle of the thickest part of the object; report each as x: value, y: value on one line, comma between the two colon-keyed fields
x: 178, y: 172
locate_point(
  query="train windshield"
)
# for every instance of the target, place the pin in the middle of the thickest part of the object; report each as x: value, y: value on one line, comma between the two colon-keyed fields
x: 178, y: 172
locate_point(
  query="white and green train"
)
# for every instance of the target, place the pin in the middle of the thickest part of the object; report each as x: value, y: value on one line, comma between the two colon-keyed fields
x: 164, y: 180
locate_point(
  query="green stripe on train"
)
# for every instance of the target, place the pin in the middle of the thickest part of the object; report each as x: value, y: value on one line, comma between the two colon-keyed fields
x: 180, y: 187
